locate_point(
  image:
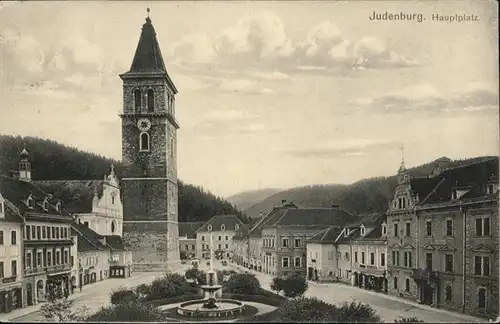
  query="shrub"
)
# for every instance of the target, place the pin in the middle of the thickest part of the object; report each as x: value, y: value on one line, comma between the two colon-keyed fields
x: 308, y: 310
x: 128, y: 312
x: 143, y: 290
x: 122, y: 295
x: 170, y: 285
x: 292, y: 285
x: 243, y: 283
x: 174, y: 300
x: 408, y: 320
x: 356, y: 312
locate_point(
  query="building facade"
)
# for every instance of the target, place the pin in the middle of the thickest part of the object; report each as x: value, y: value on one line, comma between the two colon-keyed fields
x: 149, y: 153
x: 11, y: 253
x: 322, y: 255
x: 219, y: 231
x: 187, y: 239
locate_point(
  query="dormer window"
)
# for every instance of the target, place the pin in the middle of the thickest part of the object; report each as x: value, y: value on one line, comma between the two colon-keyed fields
x: 45, y: 205
x: 209, y: 227
x: 454, y: 194
x: 347, y: 232
x: 30, y: 202
x: 222, y: 227
x: 362, y: 230
x: 144, y: 142
x: 384, y: 229
x: 2, y: 207
x: 491, y: 189
x: 58, y: 207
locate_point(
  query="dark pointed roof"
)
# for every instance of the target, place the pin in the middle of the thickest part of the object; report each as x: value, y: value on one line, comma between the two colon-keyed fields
x: 148, y: 56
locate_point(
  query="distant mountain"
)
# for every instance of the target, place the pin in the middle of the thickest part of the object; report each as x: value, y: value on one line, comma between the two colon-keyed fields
x: 246, y: 199
x: 54, y: 161
x: 364, y: 196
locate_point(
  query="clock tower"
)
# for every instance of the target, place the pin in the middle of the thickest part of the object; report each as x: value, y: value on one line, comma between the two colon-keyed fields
x: 149, y: 149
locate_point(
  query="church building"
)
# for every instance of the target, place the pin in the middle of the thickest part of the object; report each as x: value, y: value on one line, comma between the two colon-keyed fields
x: 149, y: 154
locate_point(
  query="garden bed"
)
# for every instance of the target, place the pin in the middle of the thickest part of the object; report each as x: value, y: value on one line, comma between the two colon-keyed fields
x: 248, y: 311
x: 173, y: 300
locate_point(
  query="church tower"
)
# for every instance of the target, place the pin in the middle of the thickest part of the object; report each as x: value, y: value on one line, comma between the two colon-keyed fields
x: 149, y: 154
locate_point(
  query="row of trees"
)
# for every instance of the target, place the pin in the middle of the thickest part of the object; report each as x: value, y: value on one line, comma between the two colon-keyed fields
x: 54, y: 161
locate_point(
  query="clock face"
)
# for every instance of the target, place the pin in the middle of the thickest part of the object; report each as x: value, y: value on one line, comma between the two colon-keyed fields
x: 144, y: 124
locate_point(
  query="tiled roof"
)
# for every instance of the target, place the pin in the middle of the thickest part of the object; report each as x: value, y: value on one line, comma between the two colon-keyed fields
x: 12, y: 213
x: 88, y: 240
x: 188, y: 229
x: 269, y: 218
x: 314, y: 216
x: 328, y: 235
x: 423, y: 186
x: 115, y: 242
x: 473, y: 177
x: 17, y: 192
x: 77, y: 195
x: 229, y: 222
x: 148, y: 56
x: 367, y: 220
x: 353, y: 234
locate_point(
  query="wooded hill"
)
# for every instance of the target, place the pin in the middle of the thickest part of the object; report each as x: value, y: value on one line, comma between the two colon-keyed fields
x: 54, y: 161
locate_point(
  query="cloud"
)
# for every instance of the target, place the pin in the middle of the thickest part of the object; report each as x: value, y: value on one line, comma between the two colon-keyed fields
x: 341, y: 148
x: 244, y: 86
x: 21, y: 52
x: 260, y: 41
x: 420, y: 98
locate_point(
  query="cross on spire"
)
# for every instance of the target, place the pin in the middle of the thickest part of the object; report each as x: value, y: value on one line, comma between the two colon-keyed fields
x: 148, y: 10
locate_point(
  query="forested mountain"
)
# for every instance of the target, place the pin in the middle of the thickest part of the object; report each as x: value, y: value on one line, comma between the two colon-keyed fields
x: 53, y: 161
x: 246, y: 199
x: 367, y: 195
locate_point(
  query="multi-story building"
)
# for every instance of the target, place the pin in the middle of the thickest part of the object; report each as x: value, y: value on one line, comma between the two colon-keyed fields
x: 321, y: 255
x: 240, y: 248
x: 219, y: 231
x: 441, y: 247
x: 11, y: 252
x: 343, y: 245
x: 46, y: 234
x: 369, y: 254
x: 187, y: 239
x: 286, y: 230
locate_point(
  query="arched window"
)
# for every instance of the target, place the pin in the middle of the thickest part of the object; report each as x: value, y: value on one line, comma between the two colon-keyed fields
x: 45, y: 205
x: 481, y: 298
x: 222, y: 227
x: 151, y: 100
x: 447, y: 293
x: 144, y: 142
x: 113, y: 198
x: 137, y: 100
x: 58, y: 206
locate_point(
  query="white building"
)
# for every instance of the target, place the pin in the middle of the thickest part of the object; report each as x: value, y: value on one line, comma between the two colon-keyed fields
x: 322, y: 255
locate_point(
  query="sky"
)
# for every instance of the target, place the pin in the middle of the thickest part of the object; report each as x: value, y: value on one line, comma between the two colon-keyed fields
x: 271, y: 94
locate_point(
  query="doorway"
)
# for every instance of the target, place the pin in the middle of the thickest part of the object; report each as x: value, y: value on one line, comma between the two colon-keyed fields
x: 29, y: 294
x: 426, y: 293
x: 310, y: 273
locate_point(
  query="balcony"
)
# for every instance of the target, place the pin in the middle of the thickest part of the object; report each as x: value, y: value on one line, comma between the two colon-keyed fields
x: 421, y: 274
x: 47, y: 270
x: 45, y: 242
x: 9, y: 279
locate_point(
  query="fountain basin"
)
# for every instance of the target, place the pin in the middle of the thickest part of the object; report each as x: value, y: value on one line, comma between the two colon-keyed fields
x: 226, y: 308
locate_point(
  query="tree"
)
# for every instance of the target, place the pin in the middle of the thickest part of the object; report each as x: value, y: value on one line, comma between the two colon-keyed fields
x: 123, y: 295
x: 293, y: 285
x: 356, y: 312
x: 143, y: 290
x: 128, y: 312
x: 243, y: 283
x: 60, y: 309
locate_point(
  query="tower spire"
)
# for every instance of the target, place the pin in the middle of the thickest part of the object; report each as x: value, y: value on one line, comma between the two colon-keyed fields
x: 402, y: 167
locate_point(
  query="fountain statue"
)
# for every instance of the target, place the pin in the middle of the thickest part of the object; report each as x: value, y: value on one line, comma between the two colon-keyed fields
x: 211, y: 306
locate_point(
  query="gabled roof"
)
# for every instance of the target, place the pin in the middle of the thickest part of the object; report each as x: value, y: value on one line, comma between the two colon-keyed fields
x: 342, y: 239
x: 473, y: 177
x: 326, y: 236
x: 368, y: 220
x: 216, y: 222
x: 17, y: 191
x: 148, y: 56
x: 188, y: 229
x: 88, y: 240
x: 77, y: 195
x: 12, y: 213
x: 422, y: 186
x: 314, y: 216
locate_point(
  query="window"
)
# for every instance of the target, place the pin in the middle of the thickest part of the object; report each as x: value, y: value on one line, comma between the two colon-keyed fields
x: 58, y: 206
x: 330, y: 255
x: 13, y: 266
x: 33, y: 232
x: 284, y: 242
x: 395, y: 283
x: 57, y: 232
x: 395, y: 229
x: 372, y: 258
x: 491, y: 189
x: 44, y: 257
x: 384, y: 230
x: 407, y: 285
x: 13, y: 237
x: 408, y: 229
x: 38, y: 233
x: 2, y: 273
x: 48, y: 233
x: 113, y: 227
x: 356, y: 257
x: 483, y: 226
x: 298, y: 262
x: 284, y: 262
x: 219, y: 246
x: 428, y: 261
x: 44, y: 232
x: 297, y: 243
x: 482, y: 266
x: 144, y: 142
x: 448, y: 263
x: 449, y: 227
x: 54, y: 230
x: 49, y: 258
x: 1, y: 206
x: 227, y: 246
x: 28, y: 262
x: 223, y: 227
x: 151, y: 100
x: 407, y: 259
x: 362, y: 230
x: 113, y: 198
x: 28, y: 232
x: 31, y: 203
x: 382, y: 259
x: 220, y: 238
x: 203, y: 238
x: 39, y: 259
x: 58, y: 257
x: 481, y: 298
x: 447, y: 293
x: 227, y: 238
x: 137, y: 100
x: 362, y: 257
x: 66, y: 257
x: 428, y: 228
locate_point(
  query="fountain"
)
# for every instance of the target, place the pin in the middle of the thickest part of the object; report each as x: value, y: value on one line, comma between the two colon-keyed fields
x: 211, y: 306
